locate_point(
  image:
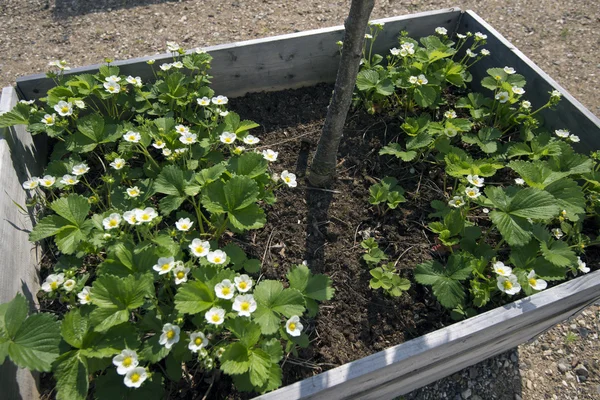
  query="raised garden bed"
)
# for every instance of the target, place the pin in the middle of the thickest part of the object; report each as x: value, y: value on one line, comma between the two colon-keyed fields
x: 306, y: 59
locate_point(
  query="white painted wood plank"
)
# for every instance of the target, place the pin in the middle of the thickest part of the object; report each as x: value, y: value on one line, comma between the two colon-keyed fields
x: 19, y: 266
x: 403, y: 368
x: 274, y: 63
x: 569, y: 114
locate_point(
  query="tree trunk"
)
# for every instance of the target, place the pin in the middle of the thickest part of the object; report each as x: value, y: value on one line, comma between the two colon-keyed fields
x: 325, y: 158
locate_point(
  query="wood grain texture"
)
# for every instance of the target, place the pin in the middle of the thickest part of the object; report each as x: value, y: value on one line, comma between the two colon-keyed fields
x: 408, y: 366
x: 274, y: 63
x: 20, y: 259
x: 569, y: 114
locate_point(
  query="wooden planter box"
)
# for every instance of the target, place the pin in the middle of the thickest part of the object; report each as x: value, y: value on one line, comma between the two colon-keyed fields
x: 304, y: 59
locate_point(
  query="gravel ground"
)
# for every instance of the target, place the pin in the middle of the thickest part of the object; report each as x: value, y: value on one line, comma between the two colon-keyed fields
x: 560, y: 36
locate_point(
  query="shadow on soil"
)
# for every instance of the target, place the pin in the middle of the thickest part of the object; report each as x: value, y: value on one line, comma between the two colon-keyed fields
x: 71, y: 8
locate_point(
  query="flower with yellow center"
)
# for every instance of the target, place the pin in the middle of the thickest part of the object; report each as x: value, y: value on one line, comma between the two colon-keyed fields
x: 69, y: 285
x: 64, y: 108
x: 132, y: 137
x: 184, y: 224
x: 164, y: 265
x: 53, y: 282
x: 250, y: 139
x: 159, y: 144
x: 125, y: 361
x: 243, y: 283
x: 199, y: 248
x: 472, y: 192
x: 170, y: 335
x: 225, y: 289
x: 509, y: 284
x: 118, y: 163
x: 216, y: 257
x: 80, y: 169
x: 197, y: 341
x: 205, y: 101
x: 112, y: 87
x: 180, y: 273
x: 145, y: 215
x: 69, y: 180
x: 289, y: 179
x: 112, y: 221
x: 293, y: 326
x: 475, y: 180
x: 133, y: 191
x: 457, y: 202
x: 47, y: 181
x: 84, y: 296
x: 501, y: 269
x: 188, y: 138
x: 129, y: 216
x: 270, y: 155
x: 536, y: 283
x: 220, y: 100
x: 31, y: 183
x: 244, y: 305
x: 227, y: 137
x: 135, y: 377
x: 215, y: 316
x: 49, y: 119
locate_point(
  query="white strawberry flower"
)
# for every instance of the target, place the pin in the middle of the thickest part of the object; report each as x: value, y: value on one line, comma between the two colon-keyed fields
x: 53, y: 282
x: 238, y: 150
x: 250, y: 139
x: 485, y: 52
x: 502, y: 269
x: 146, y: 215
x: 562, y: 133
x: 293, y: 326
x: 228, y: 137
x: 125, y: 361
x: 159, y: 144
x: 486, y: 210
x: 129, y: 216
x: 184, y: 224
x: 69, y: 285
x: 215, y: 316
x: 197, y: 341
x: 472, y: 192
x: 63, y: 108
x: 135, y: 377
x: 173, y: 47
x: 181, y: 151
x: 409, y: 48
x: 450, y: 114
x: 461, y: 36
x: 480, y: 36
x: 457, y: 202
x: 85, y: 295
x: 182, y: 129
x: 164, y: 265
x: 225, y: 289
x: 422, y: 80
x: 518, y: 90
x: 69, y: 180
x: 289, y: 179
x: 413, y: 80
x: 31, y: 183
x: 112, y: 87
x: 394, y: 51
x: 526, y: 104
x: 502, y: 97
x: 574, y: 138
x: 220, y: 100
x: 135, y: 81
x: 112, y: 221
x: 270, y: 155
x: 151, y: 61
x: 170, y: 335
x: 118, y: 163
x: 180, y: 273
x: 200, y: 50
x: 47, y: 181
x: 368, y: 36
x: 132, y: 137
x: 536, y: 283
x: 582, y: 266
x: 166, y: 66
x: 509, y: 285
x: 133, y: 191
x: 188, y: 138
x: 471, y: 53
x: 441, y: 30
x: 113, y: 79
x: 80, y: 169
x: 555, y: 94
x: 205, y: 101
x: 177, y: 64
x: 520, y: 181
x: 244, y: 305
x: 475, y: 180
x: 558, y: 233
x: 199, y: 248
x: 49, y: 119
x: 243, y: 283
x: 166, y: 152
x: 509, y: 70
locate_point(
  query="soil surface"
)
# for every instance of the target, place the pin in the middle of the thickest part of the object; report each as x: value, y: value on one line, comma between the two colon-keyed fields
x: 561, y: 37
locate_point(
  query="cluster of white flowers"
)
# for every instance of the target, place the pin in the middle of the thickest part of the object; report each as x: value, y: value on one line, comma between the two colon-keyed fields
x: 138, y: 216
x: 565, y: 134
x: 135, y: 81
x: 507, y: 282
x: 60, y: 64
x: 441, y: 31
x: 406, y: 49
x: 49, y: 181
x: 127, y: 364
x: 480, y: 36
x: 168, y: 66
x: 54, y: 281
x: 418, y: 80
x: 112, y: 84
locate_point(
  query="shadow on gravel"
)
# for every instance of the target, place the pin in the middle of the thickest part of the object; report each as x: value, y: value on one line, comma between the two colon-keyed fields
x: 71, y: 8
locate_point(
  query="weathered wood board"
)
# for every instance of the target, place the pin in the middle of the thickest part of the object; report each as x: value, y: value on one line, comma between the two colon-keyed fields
x: 408, y: 366
x: 19, y: 267
x: 269, y: 64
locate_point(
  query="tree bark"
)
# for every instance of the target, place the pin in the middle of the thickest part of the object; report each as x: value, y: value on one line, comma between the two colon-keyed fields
x: 324, y: 161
